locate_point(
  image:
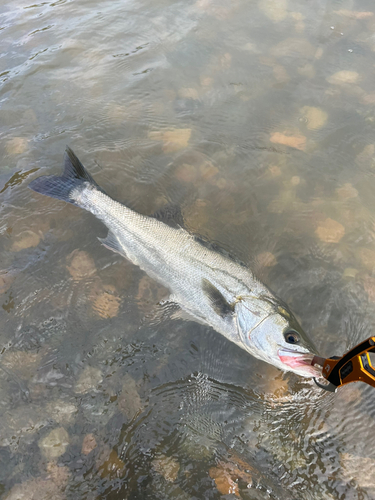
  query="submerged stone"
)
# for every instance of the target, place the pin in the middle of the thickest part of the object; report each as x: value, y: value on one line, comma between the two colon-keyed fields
x: 55, y: 443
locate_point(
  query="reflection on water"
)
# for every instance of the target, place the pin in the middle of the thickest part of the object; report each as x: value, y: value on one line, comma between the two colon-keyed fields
x: 257, y: 120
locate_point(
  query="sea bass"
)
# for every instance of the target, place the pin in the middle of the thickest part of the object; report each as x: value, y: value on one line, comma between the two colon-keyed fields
x: 210, y: 287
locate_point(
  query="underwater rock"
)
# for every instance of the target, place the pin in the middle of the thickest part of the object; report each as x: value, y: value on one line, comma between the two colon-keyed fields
x: 168, y: 467
x: 276, y: 10
x: 343, y: 77
x: 55, y: 443
x: 27, y: 239
x: 16, y: 145
x: 316, y: 118
x: 89, y: 443
x: 61, y: 411
x: 80, y: 265
x: 88, y: 380
x: 173, y: 140
x: 294, y: 141
x: 105, y: 301
x: 330, y: 231
x: 129, y: 401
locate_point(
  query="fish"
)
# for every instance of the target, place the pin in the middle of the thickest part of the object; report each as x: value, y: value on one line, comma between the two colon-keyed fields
x: 206, y: 285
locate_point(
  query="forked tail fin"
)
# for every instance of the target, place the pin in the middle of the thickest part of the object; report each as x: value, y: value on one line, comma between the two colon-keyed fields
x: 74, y: 177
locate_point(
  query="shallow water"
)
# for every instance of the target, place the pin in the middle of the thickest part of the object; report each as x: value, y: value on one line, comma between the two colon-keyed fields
x: 257, y: 119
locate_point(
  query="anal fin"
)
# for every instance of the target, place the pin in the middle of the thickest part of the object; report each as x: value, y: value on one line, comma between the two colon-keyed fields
x: 218, y: 302
x: 112, y: 243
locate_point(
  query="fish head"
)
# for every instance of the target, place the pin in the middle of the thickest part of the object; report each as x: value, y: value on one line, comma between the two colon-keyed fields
x: 270, y: 332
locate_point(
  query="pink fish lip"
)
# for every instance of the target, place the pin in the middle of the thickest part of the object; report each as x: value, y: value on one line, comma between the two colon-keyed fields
x: 299, y: 362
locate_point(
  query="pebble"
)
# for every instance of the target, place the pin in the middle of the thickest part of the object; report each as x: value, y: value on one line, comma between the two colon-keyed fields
x: 343, y: 77
x: 294, y: 141
x: 36, y: 489
x: 316, y: 117
x: 307, y: 71
x: 280, y: 73
x: 367, y: 258
x: 173, y: 140
x: 369, y: 286
x: 129, y: 401
x: 88, y: 380
x: 59, y: 474
x: 61, y: 411
x: 168, y: 467
x: 22, y: 363
x: 55, y: 443
x: 352, y: 14
x: 80, y: 265
x: 330, y: 231
x: 89, y: 443
x: 295, y: 180
x: 208, y: 170
x: 188, y: 93
x: 350, y: 272
x: 186, y: 173
x: 106, y: 302
x: 16, y: 146
x: 5, y: 282
x: 294, y: 47
x: 27, y: 239
x: 266, y: 259
x: 347, y: 191
x: 276, y: 10
x: 223, y: 482
x: 358, y: 468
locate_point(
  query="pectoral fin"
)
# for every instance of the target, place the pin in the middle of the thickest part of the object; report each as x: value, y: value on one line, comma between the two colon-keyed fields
x: 112, y: 243
x: 219, y: 303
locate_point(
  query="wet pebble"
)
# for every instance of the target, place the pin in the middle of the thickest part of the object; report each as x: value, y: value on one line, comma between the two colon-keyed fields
x: 36, y: 489
x: 22, y: 363
x: 16, y: 145
x: 316, y: 118
x: 266, y: 259
x: 168, y: 467
x: 347, y: 191
x: 129, y: 401
x: 357, y: 468
x: 55, y: 443
x: 80, y: 265
x: 27, y: 239
x: 276, y: 10
x: 89, y: 443
x: 61, y: 411
x: 105, y: 301
x: 343, y: 77
x: 353, y: 14
x: 88, y: 380
x: 173, y: 140
x: 59, y: 474
x: 5, y: 281
x: 293, y: 141
x: 367, y: 258
x: 330, y: 231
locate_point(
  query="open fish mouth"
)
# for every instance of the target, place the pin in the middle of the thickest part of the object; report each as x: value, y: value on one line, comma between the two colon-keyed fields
x: 299, y: 362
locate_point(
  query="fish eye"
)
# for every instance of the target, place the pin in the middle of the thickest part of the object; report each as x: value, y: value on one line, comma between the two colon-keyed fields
x: 292, y: 337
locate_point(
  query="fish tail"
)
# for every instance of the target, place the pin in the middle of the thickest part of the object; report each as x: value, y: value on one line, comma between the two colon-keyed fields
x: 68, y: 186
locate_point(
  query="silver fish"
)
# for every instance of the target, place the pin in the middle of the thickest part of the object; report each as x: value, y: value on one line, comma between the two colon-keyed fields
x: 212, y: 288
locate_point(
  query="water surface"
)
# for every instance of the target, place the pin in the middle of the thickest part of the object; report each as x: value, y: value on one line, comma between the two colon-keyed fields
x: 257, y: 120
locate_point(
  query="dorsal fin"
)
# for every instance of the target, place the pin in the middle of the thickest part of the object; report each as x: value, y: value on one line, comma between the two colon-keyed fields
x: 219, y: 303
